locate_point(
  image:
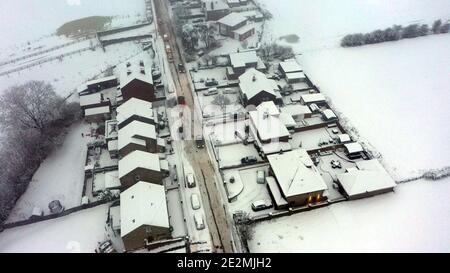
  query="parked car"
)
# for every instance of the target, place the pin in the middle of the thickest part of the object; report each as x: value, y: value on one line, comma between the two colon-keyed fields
x: 249, y: 159
x: 200, y: 141
x: 260, y: 177
x: 199, y: 223
x: 190, y: 180
x: 261, y: 205
x: 105, y: 247
x: 211, y: 82
x: 195, y: 201
x: 211, y: 91
x: 181, y: 68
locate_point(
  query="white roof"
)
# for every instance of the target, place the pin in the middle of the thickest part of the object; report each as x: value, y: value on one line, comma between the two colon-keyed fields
x: 287, y: 120
x: 267, y: 122
x: 96, y: 81
x: 217, y: 4
x: 275, y: 190
x: 143, y: 204
x: 244, y: 29
x: 113, y: 145
x: 370, y: 176
x: 164, y: 165
x: 296, y: 109
x: 112, y: 180
x: 136, y: 132
x: 160, y: 141
x: 329, y: 114
x: 252, y: 82
x: 310, y: 98
x: 232, y: 19
x: 114, y: 213
x: 353, y: 147
x: 97, y: 110
x: 90, y: 99
x: 296, y: 173
x: 241, y: 59
x: 135, y: 69
x: 344, y: 138
x: 291, y: 66
x: 133, y: 107
x: 138, y: 159
x: 295, y: 75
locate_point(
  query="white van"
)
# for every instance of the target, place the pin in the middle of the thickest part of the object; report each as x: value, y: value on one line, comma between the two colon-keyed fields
x: 199, y: 223
x: 195, y: 201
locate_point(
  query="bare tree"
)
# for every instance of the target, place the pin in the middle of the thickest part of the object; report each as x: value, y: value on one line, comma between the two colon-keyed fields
x: 33, y: 105
x: 206, y: 34
x: 221, y: 100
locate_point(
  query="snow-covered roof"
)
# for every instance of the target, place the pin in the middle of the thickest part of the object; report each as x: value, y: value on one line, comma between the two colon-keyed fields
x: 275, y: 190
x: 160, y: 141
x: 232, y: 19
x: 244, y: 29
x: 133, y: 107
x: 310, y: 98
x: 135, y: 132
x: 369, y: 177
x: 291, y: 66
x: 97, y: 110
x: 296, y: 109
x: 91, y: 99
x: 112, y: 180
x: 295, y: 76
x: 216, y: 5
x: 343, y: 138
x: 241, y: 59
x: 295, y: 173
x: 287, y: 120
x: 329, y: 114
x: 164, y: 165
x: 267, y: 123
x: 353, y: 147
x: 133, y: 69
x: 138, y: 159
x: 97, y: 81
x: 143, y: 204
x: 252, y: 82
x: 113, y: 145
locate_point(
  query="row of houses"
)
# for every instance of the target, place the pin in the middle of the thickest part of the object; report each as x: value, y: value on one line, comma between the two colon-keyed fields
x: 132, y: 137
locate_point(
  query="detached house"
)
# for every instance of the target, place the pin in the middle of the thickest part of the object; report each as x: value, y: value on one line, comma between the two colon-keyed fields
x: 235, y: 25
x: 256, y: 88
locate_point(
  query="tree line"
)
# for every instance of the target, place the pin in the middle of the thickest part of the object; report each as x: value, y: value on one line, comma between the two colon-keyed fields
x: 394, y: 33
x: 33, y: 119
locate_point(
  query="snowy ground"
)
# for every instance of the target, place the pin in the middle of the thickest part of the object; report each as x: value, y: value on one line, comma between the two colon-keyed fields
x: 395, y: 94
x: 412, y: 219
x: 60, y: 177
x: 77, y: 232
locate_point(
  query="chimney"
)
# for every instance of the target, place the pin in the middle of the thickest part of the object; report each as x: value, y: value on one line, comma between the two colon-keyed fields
x: 142, y: 71
x: 128, y: 72
x: 254, y: 78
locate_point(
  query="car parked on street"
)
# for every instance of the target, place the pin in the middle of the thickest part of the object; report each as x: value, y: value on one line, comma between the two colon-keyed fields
x: 190, y: 180
x: 199, y: 223
x: 195, y: 201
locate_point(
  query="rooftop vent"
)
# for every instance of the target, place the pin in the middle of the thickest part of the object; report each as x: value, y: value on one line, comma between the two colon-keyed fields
x: 142, y: 71
x: 128, y: 64
x: 128, y: 72
x: 254, y: 78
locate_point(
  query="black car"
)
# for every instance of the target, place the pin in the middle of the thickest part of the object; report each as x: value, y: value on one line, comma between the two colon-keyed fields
x: 200, y: 141
x: 249, y: 160
x: 181, y: 68
x: 211, y: 82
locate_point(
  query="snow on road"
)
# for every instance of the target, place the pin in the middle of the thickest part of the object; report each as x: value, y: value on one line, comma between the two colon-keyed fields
x: 395, y: 94
x: 413, y: 219
x: 60, y: 177
x: 77, y: 232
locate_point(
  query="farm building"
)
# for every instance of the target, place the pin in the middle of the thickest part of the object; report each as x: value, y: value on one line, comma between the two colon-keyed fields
x: 241, y: 61
x: 297, y: 178
x: 137, y: 136
x: 268, y: 129
x: 136, y: 79
x: 135, y: 109
x: 256, y: 88
x: 143, y: 215
x: 139, y: 166
x: 97, y: 114
x: 367, y: 179
x: 216, y: 9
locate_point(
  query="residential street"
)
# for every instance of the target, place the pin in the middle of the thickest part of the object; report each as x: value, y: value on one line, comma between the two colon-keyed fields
x: 198, y: 158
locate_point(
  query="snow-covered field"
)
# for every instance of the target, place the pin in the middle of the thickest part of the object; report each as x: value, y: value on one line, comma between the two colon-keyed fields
x: 413, y: 219
x: 77, y: 232
x: 395, y: 94
x: 60, y: 177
